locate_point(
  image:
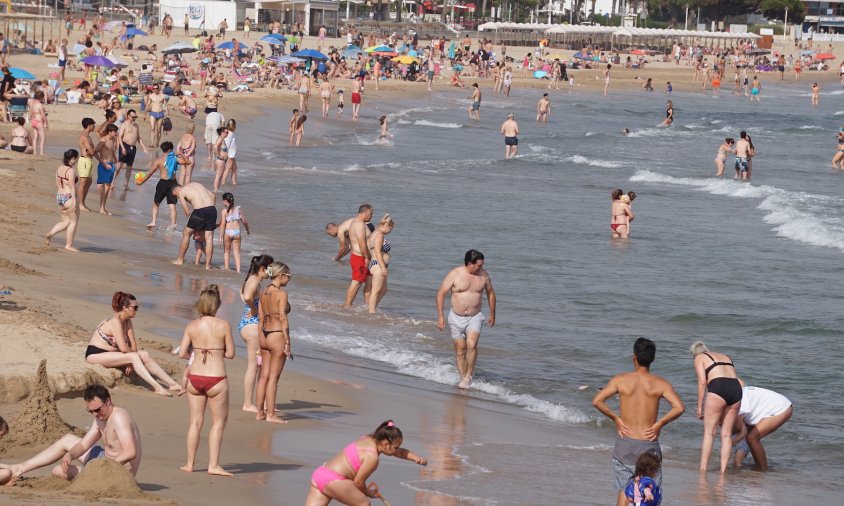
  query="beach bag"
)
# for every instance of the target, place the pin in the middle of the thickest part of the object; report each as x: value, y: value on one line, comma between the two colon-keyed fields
x: 167, y: 125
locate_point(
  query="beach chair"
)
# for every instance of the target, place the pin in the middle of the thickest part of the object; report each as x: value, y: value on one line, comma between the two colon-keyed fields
x: 18, y: 108
x: 241, y: 77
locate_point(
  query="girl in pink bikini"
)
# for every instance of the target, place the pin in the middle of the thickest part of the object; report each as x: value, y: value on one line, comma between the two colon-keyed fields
x: 344, y: 476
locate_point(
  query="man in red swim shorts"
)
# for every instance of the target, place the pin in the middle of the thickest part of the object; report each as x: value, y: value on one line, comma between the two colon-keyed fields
x: 357, y: 84
x: 360, y: 256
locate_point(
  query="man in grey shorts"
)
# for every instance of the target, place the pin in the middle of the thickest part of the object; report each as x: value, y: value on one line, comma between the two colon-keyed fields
x: 639, y: 394
x: 465, y: 319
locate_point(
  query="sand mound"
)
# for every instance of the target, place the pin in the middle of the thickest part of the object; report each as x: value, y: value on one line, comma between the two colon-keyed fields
x: 38, y: 422
x: 105, y: 478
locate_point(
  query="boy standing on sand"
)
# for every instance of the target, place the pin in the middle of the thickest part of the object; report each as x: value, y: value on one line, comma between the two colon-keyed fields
x: 85, y: 165
x: 638, y: 428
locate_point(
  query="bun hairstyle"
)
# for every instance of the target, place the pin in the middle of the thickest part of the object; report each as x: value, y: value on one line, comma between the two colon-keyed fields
x: 276, y: 269
x: 386, y: 220
x: 120, y: 300
x: 616, y: 193
x: 209, y: 301
x: 387, y: 431
x: 255, y: 266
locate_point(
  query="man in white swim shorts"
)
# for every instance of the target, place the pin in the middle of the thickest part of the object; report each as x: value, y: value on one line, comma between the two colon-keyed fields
x: 465, y: 319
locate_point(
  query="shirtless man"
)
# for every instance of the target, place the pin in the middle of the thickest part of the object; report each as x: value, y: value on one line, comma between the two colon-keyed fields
x: 203, y: 218
x: 510, y: 131
x: 543, y: 109
x: 166, y: 166
x: 106, y: 155
x: 85, y: 165
x: 360, y: 257
x: 742, y: 154
x: 638, y: 428
x: 475, y: 108
x: 157, y: 112
x: 357, y: 86
x: 341, y: 232
x: 128, y: 137
x: 115, y: 426
x: 816, y: 91
x: 187, y: 104
x: 465, y: 319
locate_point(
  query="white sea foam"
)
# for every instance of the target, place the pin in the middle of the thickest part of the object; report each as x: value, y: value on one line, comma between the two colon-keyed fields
x: 439, y: 370
x: 795, y: 214
x: 582, y: 160
x: 810, y: 127
x: 590, y: 134
x: 353, y: 168
x: 424, y: 122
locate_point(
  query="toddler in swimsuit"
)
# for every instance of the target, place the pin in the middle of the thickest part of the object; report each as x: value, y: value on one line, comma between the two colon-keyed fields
x: 199, y: 245
x: 642, y: 490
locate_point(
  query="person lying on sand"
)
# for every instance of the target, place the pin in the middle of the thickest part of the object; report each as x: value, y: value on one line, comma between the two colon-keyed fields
x: 118, y: 431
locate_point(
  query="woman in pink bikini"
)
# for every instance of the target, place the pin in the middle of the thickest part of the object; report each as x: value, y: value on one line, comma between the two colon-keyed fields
x: 38, y: 120
x: 207, y: 341
x: 344, y: 476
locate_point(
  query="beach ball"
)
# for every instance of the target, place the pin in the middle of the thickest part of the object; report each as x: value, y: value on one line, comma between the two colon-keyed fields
x: 139, y: 177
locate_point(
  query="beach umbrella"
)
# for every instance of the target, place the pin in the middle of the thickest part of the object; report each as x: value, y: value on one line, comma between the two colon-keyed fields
x: 380, y: 49
x: 637, y: 51
x: 19, y: 73
x: 226, y: 45
x: 539, y: 74
x: 133, y: 32
x: 824, y: 56
x: 384, y: 53
x: 97, y: 61
x: 310, y: 53
x: 352, y: 52
x: 273, y: 39
x: 582, y: 56
x: 117, y: 62
x: 406, y: 59
x: 78, y: 48
x: 286, y: 59
x: 179, y: 47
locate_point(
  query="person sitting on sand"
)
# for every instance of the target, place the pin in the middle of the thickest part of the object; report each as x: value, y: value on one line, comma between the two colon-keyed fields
x: 21, y: 138
x: 114, y: 345
x: 344, y: 476
x: 115, y: 426
x: 211, y: 340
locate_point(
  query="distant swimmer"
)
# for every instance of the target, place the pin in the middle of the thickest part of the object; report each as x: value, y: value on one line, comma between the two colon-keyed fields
x: 638, y: 428
x: 761, y: 413
x: 543, y: 109
x: 816, y: 92
x: 510, y: 130
x: 669, y: 114
x: 465, y: 319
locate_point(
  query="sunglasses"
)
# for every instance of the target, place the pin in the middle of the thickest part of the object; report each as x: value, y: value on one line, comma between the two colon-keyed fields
x: 95, y: 411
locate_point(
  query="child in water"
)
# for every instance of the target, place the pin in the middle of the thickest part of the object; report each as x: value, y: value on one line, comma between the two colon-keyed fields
x: 199, y: 245
x: 340, y: 103
x: 642, y: 490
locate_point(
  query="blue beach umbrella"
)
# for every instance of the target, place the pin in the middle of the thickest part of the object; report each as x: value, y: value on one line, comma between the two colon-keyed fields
x: 380, y: 49
x: 352, y: 52
x: 285, y: 59
x: 97, y: 61
x: 310, y: 53
x: 273, y: 41
x: 539, y: 74
x: 132, y: 32
x: 19, y: 73
x: 226, y: 45
x: 412, y: 52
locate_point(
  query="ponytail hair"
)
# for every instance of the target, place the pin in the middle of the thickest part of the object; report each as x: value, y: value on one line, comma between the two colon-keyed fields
x: 255, y: 265
x: 120, y: 300
x: 276, y: 269
x: 209, y: 301
x: 387, y: 431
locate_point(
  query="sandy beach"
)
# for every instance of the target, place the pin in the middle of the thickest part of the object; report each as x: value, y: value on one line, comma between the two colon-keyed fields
x: 52, y: 299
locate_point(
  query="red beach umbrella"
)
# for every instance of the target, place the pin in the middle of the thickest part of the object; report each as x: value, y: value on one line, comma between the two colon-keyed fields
x: 824, y: 56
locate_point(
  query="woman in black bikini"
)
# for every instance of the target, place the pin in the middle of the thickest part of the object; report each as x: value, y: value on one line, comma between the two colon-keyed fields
x: 211, y: 340
x: 718, y: 400
x: 113, y: 345
x: 273, y: 339
x: 66, y: 180
x: 21, y: 138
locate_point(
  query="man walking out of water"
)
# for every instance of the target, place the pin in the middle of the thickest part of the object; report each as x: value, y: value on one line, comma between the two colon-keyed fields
x: 203, y: 218
x: 475, y: 108
x: 638, y: 428
x: 510, y: 130
x: 115, y: 426
x: 360, y: 256
x: 465, y: 319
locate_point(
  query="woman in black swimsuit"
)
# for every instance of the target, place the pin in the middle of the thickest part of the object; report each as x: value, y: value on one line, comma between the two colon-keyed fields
x: 113, y: 345
x: 273, y: 339
x: 718, y: 400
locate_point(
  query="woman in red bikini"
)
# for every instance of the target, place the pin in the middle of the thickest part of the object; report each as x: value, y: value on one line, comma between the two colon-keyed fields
x: 343, y: 478
x: 622, y: 215
x: 209, y: 339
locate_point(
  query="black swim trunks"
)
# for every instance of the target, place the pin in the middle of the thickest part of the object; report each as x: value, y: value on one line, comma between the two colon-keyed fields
x: 511, y: 141
x: 204, y: 218
x: 164, y: 190
x: 128, y: 155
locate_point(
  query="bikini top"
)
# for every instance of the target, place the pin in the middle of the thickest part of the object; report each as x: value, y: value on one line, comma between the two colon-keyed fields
x: 386, y: 247
x: 65, y: 178
x: 205, y: 352
x: 352, y: 456
x: 234, y: 215
x: 716, y: 364
x: 109, y: 339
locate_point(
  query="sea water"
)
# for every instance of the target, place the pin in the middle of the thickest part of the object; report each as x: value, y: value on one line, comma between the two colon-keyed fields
x: 752, y: 268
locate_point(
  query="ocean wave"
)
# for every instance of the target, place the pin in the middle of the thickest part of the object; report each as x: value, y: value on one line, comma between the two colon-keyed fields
x: 426, y: 366
x: 424, y: 122
x: 811, y: 127
x: 582, y: 160
x: 793, y: 213
x: 353, y: 168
